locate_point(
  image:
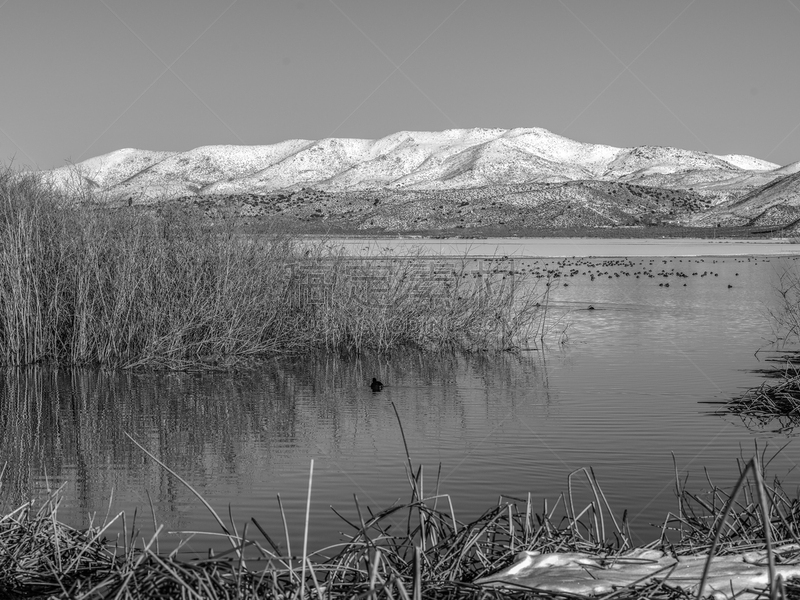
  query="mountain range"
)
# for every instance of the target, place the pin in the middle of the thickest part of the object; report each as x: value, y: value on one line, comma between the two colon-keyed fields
x: 456, y: 178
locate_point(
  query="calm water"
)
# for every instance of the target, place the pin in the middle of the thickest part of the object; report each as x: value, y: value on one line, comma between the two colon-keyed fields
x: 622, y: 395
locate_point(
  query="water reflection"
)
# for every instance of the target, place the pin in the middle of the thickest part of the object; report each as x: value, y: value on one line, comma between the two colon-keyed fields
x: 240, y: 438
x: 622, y: 396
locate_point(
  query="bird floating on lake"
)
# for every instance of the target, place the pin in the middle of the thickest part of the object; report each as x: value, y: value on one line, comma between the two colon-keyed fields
x: 376, y: 385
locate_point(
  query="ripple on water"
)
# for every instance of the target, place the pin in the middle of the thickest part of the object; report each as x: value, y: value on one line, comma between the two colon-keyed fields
x: 621, y: 396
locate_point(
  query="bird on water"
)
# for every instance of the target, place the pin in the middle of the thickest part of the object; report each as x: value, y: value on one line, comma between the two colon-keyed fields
x: 376, y: 385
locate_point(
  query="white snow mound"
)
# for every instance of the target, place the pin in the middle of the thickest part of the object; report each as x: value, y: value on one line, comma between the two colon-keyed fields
x: 741, y: 575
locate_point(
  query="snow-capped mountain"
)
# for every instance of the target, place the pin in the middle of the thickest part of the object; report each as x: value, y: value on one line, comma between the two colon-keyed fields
x: 452, y: 159
x: 459, y: 178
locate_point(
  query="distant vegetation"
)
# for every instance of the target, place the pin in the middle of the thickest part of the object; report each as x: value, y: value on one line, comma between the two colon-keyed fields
x: 83, y: 284
x: 512, y: 207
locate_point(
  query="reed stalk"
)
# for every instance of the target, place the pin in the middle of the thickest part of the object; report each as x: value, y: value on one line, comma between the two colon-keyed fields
x: 85, y: 284
x: 773, y: 404
x: 390, y: 554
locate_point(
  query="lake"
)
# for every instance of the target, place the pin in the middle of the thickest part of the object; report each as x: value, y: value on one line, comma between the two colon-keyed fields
x: 620, y: 388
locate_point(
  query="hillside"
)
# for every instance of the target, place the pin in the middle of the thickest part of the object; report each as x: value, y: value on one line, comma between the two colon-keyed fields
x: 775, y: 203
x: 457, y: 178
x: 572, y: 204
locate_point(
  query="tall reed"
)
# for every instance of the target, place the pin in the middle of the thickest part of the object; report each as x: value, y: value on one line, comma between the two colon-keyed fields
x: 81, y: 285
x: 387, y: 302
x: 785, y: 319
x: 84, y: 284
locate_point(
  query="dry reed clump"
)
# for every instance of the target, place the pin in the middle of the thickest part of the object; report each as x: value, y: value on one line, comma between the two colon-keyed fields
x: 83, y: 284
x: 774, y: 405
x: 383, y: 303
x: 418, y: 549
x: 785, y: 319
x: 414, y: 550
x: 753, y: 514
x: 40, y: 556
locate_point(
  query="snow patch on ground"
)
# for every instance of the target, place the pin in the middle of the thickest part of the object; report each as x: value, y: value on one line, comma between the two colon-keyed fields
x: 741, y: 575
x: 748, y: 162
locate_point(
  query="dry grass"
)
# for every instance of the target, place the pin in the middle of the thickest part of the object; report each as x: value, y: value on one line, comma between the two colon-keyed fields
x: 418, y: 549
x: 81, y: 284
x: 776, y: 404
x: 786, y: 317
x: 771, y: 405
x: 384, y: 303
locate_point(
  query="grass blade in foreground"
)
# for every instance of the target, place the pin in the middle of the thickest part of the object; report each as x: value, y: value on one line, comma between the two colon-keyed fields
x: 415, y: 550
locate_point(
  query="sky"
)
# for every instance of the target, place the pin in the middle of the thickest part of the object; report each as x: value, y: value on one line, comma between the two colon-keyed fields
x: 81, y: 78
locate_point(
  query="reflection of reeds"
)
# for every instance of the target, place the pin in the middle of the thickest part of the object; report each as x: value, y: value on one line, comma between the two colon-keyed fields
x: 417, y: 549
x: 65, y: 425
x: 29, y: 421
x: 83, y: 284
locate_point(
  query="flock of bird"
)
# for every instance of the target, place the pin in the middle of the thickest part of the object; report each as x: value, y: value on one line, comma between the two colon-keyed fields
x: 560, y: 271
x: 610, y: 268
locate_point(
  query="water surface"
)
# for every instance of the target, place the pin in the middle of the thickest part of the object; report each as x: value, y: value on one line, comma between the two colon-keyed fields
x: 517, y: 247
x: 623, y: 395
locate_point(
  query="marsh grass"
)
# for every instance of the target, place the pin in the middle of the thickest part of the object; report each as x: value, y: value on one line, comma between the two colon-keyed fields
x: 84, y: 284
x: 785, y: 318
x: 415, y: 549
x: 772, y: 404
x: 775, y: 404
x: 384, y: 303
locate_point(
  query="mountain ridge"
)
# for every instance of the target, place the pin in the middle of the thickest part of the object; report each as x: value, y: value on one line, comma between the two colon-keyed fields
x: 446, y: 164
x: 415, y: 159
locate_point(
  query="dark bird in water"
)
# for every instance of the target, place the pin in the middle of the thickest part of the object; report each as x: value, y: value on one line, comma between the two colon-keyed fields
x: 376, y: 385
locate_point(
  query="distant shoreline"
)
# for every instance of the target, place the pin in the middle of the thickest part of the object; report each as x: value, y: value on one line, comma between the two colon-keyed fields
x: 520, y: 247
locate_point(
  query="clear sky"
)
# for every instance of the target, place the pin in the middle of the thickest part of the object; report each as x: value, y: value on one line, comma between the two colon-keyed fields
x: 79, y: 78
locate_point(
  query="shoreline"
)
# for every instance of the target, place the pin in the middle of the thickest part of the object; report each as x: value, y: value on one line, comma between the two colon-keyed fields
x: 547, y: 552
x: 519, y: 247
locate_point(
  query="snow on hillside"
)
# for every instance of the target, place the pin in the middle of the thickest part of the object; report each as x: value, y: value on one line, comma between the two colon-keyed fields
x: 556, y: 148
x: 106, y: 170
x: 789, y: 169
x: 663, y: 160
x: 748, y: 162
x: 451, y: 159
